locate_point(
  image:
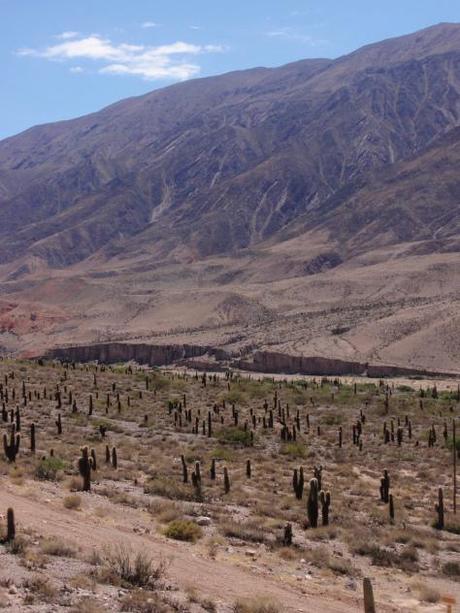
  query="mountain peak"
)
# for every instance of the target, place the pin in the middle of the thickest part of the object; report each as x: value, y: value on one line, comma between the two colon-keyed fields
x: 315, y: 168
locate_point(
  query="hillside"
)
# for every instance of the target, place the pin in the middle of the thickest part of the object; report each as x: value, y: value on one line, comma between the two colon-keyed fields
x: 257, y: 209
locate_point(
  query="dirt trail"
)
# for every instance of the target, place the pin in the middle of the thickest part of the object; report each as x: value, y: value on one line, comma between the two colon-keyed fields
x: 218, y: 580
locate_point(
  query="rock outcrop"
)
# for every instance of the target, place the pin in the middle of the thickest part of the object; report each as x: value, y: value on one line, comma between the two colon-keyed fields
x: 208, y: 358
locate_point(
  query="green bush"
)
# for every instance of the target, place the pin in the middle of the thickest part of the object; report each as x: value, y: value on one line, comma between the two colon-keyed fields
x: 452, y: 569
x: 162, y: 486
x: 221, y: 453
x: 48, y: 468
x: 235, y: 436
x: 183, y: 530
x: 235, y: 396
x: 258, y: 604
x: 294, y: 449
x: 404, y: 388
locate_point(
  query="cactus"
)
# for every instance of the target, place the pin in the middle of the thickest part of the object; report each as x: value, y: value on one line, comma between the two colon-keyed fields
x: 440, y: 510
x: 10, y: 526
x: 385, y: 487
x: 184, y: 469
x: 317, y: 473
x: 248, y: 469
x: 114, y: 458
x: 298, y: 483
x: 295, y: 481
x: 196, y: 482
x: 325, y: 500
x: 11, y: 448
x: 287, y: 535
x: 93, y: 458
x: 369, y: 604
x: 312, y: 504
x: 391, y: 508
x: 17, y: 415
x: 226, y: 480
x: 84, y: 467
x: 213, y: 469
x: 58, y: 423
x: 32, y: 438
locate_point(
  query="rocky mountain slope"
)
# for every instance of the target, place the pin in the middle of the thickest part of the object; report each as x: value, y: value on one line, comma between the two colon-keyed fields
x: 187, y: 209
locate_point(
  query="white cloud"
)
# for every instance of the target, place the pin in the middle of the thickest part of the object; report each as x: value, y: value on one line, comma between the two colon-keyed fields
x: 293, y: 34
x: 149, y: 62
x: 149, y: 24
x: 67, y: 35
x: 76, y: 69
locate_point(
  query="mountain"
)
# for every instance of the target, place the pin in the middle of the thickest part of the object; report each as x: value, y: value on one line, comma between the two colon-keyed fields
x: 241, y: 194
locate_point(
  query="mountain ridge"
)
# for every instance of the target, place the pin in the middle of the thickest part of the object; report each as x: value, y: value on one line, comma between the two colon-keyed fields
x: 224, y: 187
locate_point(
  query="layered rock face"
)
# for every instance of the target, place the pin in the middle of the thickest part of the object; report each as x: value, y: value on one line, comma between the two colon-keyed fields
x: 194, y: 356
x: 153, y: 355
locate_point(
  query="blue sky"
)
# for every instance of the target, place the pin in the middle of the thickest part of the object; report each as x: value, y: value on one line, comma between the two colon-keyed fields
x: 64, y: 58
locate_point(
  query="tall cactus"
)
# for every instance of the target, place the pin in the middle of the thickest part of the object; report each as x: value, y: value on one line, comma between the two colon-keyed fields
x: 248, y: 469
x: 11, y: 447
x: 325, y: 500
x: 317, y: 473
x: 391, y: 508
x: 114, y: 458
x: 32, y: 438
x: 184, y: 469
x: 385, y: 487
x: 226, y: 480
x: 10, y: 526
x: 312, y: 504
x: 84, y: 466
x: 440, y: 510
x: 213, y: 469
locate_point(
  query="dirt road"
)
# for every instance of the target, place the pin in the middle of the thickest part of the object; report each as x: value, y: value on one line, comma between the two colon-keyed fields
x: 221, y: 581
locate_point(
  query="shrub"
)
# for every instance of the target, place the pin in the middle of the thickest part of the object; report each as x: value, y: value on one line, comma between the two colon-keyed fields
x: 452, y: 525
x: 257, y: 604
x: 123, y: 567
x: 247, y: 531
x: 142, y: 601
x: 220, y: 453
x: 39, y: 587
x: 235, y: 396
x: 427, y: 593
x: 183, y: 530
x: 294, y: 449
x: 56, y: 547
x: 48, y: 469
x: 235, y: 436
x: 162, y: 486
x: 73, y: 501
x: 451, y: 569
x: 404, y: 388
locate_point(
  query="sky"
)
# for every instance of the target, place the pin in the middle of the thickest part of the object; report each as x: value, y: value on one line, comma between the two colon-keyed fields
x: 64, y: 58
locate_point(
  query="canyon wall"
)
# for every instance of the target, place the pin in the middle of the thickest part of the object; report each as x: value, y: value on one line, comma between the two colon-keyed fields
x: 151, y: 355
x: 274, y: 362
x: 204, y: 357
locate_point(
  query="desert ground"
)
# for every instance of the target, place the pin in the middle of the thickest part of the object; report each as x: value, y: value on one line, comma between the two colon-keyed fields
x: 190, y: 512
x: 402, y: 312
